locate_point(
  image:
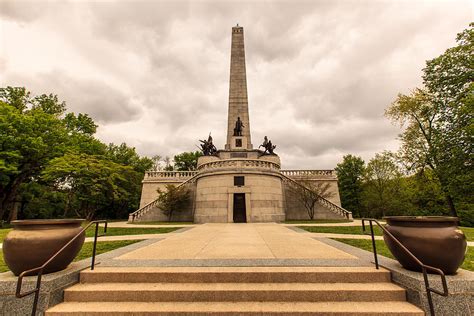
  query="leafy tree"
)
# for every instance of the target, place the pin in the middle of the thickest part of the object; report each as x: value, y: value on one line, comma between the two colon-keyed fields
x: 424, y: 194
x: 174, y: 199
x: 18, y: 97
x: 49, y: 104
x: 450, y: 79
x: 95, y: 182
x: 350, y: 174
x: 80, y: 124
x: 128, y: 156
x: 29, y: 138
x: 39, y: 200
x: 186, y: 160
x: 382, y: 181
x: 439, y: 121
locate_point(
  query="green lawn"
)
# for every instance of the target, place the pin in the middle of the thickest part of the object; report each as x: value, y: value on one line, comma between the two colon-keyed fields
x: 113, y: 231
x: 354, y: 230
x: 383, y: 250
x: 3, y: 233
x: 469, y: 232
x: 118, y: 231
x: 357, y: 230
x: 162, y: 223
x: 319, y: 221
x: 86, y: 251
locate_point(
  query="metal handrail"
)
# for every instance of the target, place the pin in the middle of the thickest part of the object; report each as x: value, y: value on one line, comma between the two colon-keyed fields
x: 325, y: 202
x: 40, y: 269
x: 424, y: 267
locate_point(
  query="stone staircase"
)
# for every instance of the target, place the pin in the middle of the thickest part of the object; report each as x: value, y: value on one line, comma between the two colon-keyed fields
x: 235, y: 291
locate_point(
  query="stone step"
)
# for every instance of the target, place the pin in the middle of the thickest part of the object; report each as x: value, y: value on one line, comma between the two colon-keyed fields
x: 235, y: 275
x: 218, y: 292
x: 236, y: 308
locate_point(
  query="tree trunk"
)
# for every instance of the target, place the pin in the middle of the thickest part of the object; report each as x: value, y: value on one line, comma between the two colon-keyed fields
x: 452, y: 208
x: 14, y: 212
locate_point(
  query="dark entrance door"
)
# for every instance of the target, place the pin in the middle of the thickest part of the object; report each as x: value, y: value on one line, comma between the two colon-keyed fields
x: 240, y: 214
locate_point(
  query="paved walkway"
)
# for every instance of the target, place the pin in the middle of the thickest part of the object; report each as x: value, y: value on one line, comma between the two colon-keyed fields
x: 238, y: 241
x: 127, y: 225
x: 356, y: 222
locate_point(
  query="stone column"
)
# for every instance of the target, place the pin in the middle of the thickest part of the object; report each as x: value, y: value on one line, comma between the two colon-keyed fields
x: 238, y: 101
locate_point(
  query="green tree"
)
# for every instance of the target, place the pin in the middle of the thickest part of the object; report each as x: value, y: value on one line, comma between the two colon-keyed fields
x: 438, y: 122
x: 350, y: 174
x: 49, y: 104
x: 80, y: 124
x: 450, y: 79
x: 173, y: 200
x: 187, y: 160
x: 382, y: 185
x: 29, y: 138
x: 128, y: 156
x: 424, y: 194
x: 18, y: 97
x: 92, y: 182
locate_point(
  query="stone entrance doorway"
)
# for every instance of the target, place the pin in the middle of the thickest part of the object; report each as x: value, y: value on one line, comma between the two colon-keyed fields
x: 240, y: 213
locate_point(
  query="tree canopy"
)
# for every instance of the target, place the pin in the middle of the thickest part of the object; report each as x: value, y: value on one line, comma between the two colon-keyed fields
x: 438, y: 121
x: 49, y: 157
x: 350, y: 173
x: 186, y: 161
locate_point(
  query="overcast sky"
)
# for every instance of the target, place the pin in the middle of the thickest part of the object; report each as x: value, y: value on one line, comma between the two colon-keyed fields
x: 155, y: 74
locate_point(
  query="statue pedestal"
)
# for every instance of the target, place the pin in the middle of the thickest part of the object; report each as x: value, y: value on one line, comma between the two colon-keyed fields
x: 238, y: 143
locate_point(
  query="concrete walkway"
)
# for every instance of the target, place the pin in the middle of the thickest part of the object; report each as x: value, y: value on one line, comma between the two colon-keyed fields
x: 356, y: 222
x: 165, y: 235
x: 238, y: 241
x: 127, y: 225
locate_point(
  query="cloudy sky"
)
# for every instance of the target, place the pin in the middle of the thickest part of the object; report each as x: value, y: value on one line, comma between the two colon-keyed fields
x: 154, y: 74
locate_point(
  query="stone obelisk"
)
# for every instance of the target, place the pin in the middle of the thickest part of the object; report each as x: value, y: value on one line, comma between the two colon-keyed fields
x: 238, y: 101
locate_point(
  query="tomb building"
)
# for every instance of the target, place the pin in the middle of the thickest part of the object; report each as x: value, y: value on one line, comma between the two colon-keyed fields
x: 241, y: 183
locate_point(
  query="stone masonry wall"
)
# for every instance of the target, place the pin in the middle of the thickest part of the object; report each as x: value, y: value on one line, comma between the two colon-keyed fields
x: 295, y: 210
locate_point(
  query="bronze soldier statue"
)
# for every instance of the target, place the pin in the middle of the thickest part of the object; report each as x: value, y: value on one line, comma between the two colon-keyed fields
x: 269, y: 147
x: 207, y: 147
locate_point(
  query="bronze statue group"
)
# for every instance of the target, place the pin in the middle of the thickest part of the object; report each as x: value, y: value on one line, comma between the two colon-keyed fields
x: 208, y: 148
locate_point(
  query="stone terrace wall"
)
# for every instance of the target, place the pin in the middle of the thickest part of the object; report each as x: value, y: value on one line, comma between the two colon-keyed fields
x: 295, y: 209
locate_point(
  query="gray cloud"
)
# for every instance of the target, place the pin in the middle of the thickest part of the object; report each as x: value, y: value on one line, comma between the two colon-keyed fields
x: 155, y: 74
x: 102, y: 102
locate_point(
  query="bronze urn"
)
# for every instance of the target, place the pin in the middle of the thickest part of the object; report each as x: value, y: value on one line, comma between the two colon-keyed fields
x: 434, y: 240
x: 32, y: 242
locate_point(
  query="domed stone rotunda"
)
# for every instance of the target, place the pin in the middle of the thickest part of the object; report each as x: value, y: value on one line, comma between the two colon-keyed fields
x: 241, y: 183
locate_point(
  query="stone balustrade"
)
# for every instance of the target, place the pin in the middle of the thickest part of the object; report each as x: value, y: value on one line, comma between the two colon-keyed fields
x: 239, y: 163
x: 184, y: 175
x: 306, y: 173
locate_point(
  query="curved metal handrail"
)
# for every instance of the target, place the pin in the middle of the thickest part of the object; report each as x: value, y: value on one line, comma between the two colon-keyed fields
x: 424, y: 267
x: 40, y: 269
x: 325, y: 202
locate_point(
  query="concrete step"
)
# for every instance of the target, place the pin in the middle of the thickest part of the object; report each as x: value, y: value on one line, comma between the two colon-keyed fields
x: 235, y: 275
x: 236, y: 308
x: 219, y: 292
